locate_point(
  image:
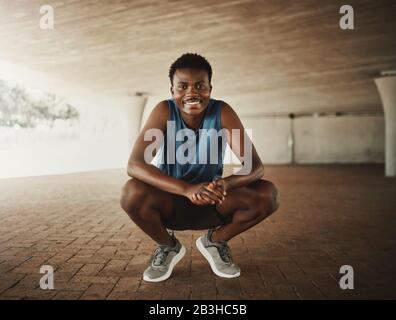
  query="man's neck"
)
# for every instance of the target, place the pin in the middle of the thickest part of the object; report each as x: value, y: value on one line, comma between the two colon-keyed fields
x: 193, y: 122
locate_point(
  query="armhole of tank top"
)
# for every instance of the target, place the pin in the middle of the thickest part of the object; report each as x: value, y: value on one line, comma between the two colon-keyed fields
x: 220, y: 108
x: 169, y: 109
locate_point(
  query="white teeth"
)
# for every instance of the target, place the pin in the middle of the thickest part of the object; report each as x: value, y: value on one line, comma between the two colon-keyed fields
x: 194, y: 102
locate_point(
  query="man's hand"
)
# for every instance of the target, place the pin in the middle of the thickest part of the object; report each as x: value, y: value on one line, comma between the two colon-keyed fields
x: 221, y: 184
x: 205, y: 193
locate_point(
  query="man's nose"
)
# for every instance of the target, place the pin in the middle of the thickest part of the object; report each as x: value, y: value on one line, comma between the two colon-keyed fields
x: 191, y: 89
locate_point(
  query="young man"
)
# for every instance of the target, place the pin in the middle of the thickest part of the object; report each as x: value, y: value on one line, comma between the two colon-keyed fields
x: 191, y: 195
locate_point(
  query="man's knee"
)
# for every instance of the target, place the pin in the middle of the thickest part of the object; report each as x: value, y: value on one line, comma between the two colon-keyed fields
x: 267, y: 199
x: 132, y: 196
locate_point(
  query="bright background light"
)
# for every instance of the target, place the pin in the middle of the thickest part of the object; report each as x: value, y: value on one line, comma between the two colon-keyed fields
x: 97, y: 141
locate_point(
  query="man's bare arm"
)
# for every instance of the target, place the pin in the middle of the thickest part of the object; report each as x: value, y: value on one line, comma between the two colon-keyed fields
x: 140, y: 169
x: 230, y: 120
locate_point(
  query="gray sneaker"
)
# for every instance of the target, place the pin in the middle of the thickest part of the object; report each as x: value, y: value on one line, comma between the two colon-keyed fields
x: 163, y: 261
x: 218, y: 255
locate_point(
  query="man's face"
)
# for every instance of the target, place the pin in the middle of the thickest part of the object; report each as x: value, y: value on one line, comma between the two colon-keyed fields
x: 191, y: 90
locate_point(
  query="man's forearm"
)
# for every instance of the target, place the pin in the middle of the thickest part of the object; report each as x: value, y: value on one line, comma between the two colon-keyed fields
x: 156, y: 178
x: 236, y: 181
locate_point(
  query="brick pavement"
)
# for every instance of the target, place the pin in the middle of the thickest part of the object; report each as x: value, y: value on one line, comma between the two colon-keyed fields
x: 329, y: 216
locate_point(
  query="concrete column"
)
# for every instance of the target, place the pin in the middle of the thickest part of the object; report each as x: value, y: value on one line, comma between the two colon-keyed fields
x: 134, y: 108
x: 387, y: 89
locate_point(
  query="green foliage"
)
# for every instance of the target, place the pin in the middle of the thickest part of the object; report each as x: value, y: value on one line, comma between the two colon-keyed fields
x: 18, y: 107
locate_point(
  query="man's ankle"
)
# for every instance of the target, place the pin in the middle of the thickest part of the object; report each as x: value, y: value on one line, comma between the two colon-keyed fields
x: 173, y: 242
x: 170, y: 243
x: 213, y: 237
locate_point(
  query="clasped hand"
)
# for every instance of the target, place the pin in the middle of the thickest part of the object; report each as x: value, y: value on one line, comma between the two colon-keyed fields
x: 207, y: 193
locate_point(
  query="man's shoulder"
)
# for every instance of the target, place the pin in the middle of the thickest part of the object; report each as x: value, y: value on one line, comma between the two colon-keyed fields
x: 159, y: 115
x: 225, y: 107
x: 162, y: 105
x: 161, y: 109
x: 228, y: 115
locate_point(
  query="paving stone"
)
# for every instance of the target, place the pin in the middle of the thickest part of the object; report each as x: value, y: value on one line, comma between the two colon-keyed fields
x: 329, y: 216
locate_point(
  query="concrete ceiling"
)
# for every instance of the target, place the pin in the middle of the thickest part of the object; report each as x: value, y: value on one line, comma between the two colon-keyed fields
x: 267, y: 56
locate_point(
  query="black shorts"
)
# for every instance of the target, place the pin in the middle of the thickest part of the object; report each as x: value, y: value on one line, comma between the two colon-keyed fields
x: 188, y: 216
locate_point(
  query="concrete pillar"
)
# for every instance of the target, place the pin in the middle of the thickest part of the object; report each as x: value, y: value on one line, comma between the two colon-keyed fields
x: 134, y: 108
x: 387, y: 89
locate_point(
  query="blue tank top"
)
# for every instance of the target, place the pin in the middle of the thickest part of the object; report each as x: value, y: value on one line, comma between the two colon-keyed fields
x: 206, y: 162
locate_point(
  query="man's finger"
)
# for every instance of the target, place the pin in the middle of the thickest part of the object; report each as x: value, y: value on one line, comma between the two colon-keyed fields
x: 216, y: 193
x: 209, y: 194
x: 219, y: 183
x: 195, y: 200
x: 218, y: 189
x: 204, y: 197
x: 216, y: 196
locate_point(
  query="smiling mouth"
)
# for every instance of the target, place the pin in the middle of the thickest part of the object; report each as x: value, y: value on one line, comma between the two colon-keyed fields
x: 192, y: 101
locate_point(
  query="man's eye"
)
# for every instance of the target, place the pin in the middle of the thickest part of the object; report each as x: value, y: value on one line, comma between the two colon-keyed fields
x: 182, y: 87
x: 200, y: 87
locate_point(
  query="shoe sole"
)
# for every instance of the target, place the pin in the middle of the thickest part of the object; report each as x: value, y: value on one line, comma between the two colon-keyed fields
x: 173, y: 263
x: 212, y: 264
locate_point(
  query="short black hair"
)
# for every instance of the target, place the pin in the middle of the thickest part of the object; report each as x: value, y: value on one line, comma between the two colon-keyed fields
x: 193, y: 61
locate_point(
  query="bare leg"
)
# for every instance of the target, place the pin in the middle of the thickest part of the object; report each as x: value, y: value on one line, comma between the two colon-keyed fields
x: 249, y: 206
x: 147, y: 206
